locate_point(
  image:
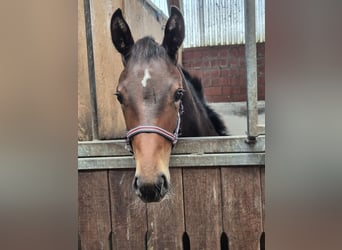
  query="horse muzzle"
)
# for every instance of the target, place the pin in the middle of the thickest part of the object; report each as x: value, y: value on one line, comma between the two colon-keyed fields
x: 151, y: 191
x: 152, y: 176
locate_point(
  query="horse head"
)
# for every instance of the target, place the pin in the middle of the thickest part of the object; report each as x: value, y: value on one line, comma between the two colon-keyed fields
x: 150, y: 90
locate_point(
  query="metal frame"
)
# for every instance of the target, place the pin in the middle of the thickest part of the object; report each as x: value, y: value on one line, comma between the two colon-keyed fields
x: 189, y: 152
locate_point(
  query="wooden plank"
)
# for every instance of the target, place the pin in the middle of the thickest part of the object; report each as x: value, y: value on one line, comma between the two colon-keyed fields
x: 143, y: 20
x: 129, y: 222
x: 103, y: 148
x: 242, y: 159
x: 84, y: 106
x: 189, y: 145
x: 262, y: 180
x: 108, y: 66
x: 242, y: 208
x: 166, y: 219
x: 93, y: 210
x: 202, y: 202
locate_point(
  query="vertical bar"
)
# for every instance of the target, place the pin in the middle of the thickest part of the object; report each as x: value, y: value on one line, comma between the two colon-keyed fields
x: 251, y: 70
x: 91, y: 69
x: 85, y: 122
x: 201, y: 22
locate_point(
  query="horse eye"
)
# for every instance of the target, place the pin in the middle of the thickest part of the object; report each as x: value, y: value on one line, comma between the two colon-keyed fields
x: 179, y: 94
x: 119, y: 97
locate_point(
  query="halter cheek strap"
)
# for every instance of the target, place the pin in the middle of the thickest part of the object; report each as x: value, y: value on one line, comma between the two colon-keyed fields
x: 172, y: 137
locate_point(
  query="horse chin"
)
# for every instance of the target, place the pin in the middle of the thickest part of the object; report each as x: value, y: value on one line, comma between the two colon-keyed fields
x: 152, y: 197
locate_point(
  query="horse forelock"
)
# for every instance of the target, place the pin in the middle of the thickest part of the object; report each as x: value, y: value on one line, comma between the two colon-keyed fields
x: 146, y: 49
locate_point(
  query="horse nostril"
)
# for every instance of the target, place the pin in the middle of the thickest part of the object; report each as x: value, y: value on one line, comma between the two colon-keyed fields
x: 164, y: 186
x: 165, y: 181
x: 136, y: 183
x: 151, y: 191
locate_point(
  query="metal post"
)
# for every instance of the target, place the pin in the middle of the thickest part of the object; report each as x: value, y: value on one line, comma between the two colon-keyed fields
x: 91, y: 70
x: 251, y: 70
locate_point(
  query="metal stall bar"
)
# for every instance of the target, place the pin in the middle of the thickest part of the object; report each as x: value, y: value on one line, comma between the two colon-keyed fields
x: 251, y: 71
x: 91, y: 70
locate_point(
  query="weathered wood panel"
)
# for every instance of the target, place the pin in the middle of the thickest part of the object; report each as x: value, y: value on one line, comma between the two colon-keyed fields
x: 242, y: 208
x: 262, y: 238
x: 129, y: 222
x: 84, y: 105
x: 93, y: 210
x: 202, y: 202
x: 166, y: 219
x: 262, y: 180
x: 107, y: 64
x: 229, y: 199
x: 144, y: 20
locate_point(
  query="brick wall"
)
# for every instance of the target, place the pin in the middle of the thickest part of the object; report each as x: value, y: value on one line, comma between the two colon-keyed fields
x: 222, y: 71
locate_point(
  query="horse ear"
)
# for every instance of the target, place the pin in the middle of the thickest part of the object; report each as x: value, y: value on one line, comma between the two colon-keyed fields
x: 174, y: 33
x: 121, y: 35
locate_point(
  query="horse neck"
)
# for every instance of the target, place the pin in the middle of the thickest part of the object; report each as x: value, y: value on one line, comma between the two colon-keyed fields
x: 195, y: 120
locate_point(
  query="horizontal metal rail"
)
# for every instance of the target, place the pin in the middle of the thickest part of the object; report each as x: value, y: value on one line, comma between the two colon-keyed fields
x: 189, y: 152
x: 188, y: 145
x: 190, y: 160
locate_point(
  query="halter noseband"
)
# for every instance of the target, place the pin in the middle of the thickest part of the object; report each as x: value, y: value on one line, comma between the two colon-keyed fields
x: 172, y: 137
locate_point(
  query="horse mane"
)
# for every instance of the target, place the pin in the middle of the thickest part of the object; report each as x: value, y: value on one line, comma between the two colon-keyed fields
x: 213, y: 116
